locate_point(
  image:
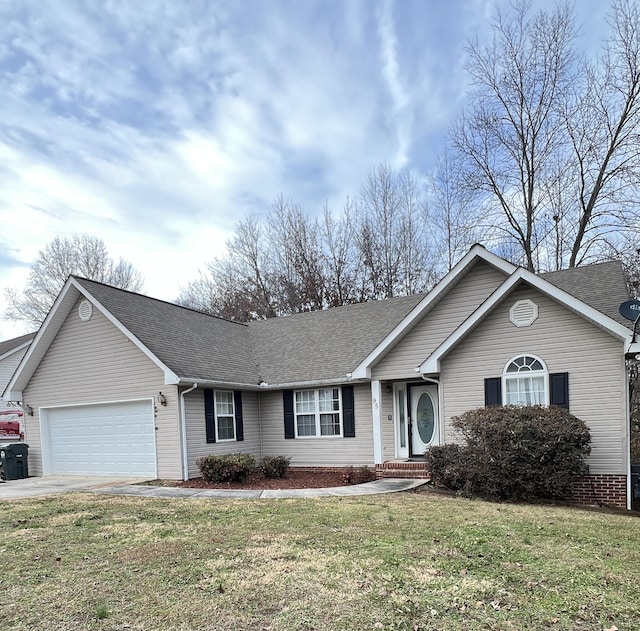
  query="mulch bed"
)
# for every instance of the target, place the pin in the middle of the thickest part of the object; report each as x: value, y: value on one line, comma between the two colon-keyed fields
x: 292, y: 480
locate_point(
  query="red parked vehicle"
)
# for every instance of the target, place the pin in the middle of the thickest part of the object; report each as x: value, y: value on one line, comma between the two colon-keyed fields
x: 10, y: 425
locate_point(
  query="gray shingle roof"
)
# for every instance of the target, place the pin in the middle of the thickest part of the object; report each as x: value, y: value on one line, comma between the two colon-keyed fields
x: 306, y: 347
x: 324, y: 344
x: 601, y: 285
x: 9, y: 345
x: 192, y: 344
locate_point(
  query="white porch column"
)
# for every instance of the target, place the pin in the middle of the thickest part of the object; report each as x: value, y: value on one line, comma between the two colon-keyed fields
x: 376, y: 399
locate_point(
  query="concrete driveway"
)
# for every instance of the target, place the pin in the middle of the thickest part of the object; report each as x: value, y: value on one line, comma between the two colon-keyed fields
x: 53, y: 484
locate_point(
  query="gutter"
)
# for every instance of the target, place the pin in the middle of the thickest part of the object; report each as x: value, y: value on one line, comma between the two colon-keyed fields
x: 228, y: 385
x: 183, y: 431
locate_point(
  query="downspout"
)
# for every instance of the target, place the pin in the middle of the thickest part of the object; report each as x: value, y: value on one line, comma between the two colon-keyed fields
x: 627, y: 431
x: 183, y: 430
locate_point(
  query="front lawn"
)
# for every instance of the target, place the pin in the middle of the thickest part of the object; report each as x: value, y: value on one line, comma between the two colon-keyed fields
x: 402, y: 561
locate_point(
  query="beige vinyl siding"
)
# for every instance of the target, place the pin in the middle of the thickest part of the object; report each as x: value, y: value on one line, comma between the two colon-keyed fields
x: 93, y: 362
x: 318, y: 452
x: 8, y: 366
x: 439, y: 322
x: 566, y: 343
x: 197, y: 445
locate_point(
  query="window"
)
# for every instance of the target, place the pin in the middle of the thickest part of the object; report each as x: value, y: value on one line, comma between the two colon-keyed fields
x: 525, y: 381
x: 225, y: 416
x: 318, y: 412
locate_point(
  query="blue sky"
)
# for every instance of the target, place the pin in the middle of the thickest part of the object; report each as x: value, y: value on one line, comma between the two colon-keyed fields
x: 157, y: 125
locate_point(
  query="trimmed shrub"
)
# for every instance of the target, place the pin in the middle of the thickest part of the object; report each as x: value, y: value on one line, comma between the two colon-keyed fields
x: 275, y: 466
x: 227, y: 467
x: 515, y: 453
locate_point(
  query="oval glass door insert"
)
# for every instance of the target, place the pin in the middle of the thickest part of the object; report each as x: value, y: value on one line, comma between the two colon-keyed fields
x: 426, y: 418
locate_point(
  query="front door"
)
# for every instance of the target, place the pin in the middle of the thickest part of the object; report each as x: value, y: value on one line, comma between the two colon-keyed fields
x: 424, y: 418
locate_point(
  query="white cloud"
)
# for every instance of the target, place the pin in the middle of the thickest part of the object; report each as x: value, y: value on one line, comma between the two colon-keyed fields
x: 157, y: 125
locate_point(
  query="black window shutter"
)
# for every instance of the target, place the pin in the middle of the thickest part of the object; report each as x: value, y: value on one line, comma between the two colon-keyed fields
x: 559, y: 387
x: 493, y: 391
x: 348, y: 416
x: 209, y: 420
x: 287, y: 402
x: 237, y: 404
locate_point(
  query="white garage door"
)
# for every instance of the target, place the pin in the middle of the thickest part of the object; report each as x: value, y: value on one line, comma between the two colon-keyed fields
x: 107, y: 439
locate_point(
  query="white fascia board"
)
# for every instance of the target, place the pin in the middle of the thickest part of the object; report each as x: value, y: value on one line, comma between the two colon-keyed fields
x: 477, y: 252
x: 432, y: 364
x: 212, y: 383
x: 318, y: 383
x: 170, y: 377
x: 16, y: 349
x: 41, y: 342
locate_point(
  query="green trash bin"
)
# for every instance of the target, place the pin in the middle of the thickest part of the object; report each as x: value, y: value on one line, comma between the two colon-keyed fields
x: 14, y: 461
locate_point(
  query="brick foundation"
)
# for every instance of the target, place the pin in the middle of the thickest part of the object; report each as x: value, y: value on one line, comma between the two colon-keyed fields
x: 413, y: 470
x: 320, y: 469
x: 608, y: 490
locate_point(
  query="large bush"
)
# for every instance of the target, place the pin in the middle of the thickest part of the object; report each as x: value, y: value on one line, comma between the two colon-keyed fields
x: 512, y: 452
x: 227, y: 467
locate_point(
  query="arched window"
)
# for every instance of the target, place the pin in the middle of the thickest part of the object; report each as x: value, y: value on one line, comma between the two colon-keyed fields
x: 525, y: 381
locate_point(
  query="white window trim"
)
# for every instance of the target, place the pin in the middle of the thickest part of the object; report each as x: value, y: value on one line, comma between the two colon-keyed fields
x: 537, y: 373
x: 233, y: 417
x: 317, y: 414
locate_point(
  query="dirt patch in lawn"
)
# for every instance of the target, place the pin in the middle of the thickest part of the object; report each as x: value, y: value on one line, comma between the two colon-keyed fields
x: 292, y: 480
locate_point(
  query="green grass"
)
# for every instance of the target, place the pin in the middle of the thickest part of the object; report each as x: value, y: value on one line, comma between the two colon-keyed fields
x: 402, y: 561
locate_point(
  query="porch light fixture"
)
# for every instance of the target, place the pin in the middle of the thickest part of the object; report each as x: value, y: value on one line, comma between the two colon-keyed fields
x: 162, y: 400
x: 388, y: 389
x: 28, y: 409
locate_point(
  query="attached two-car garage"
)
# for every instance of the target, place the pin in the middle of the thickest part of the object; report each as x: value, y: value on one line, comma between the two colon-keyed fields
x: 111, y: 439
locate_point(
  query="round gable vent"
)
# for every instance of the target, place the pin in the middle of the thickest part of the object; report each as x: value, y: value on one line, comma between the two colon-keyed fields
x: 85, y: 310
x: 523, y: 313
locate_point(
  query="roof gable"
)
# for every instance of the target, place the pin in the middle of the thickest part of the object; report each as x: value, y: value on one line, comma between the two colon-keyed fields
x: 432, y: 364
x: 475, y: 254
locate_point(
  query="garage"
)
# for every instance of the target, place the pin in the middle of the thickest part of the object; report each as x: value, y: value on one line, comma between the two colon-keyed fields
x: 114, y: 439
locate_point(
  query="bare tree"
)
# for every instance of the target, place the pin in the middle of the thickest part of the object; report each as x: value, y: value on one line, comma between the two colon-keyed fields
x: 603, y: 124
x: 296, y: 254
x: 80, y: 255
x: 551, y: 142
x: 455, y: 222
x: 343, y: 278
x: 513, y: 128
x: 288, y: 262
x: 391, y: 234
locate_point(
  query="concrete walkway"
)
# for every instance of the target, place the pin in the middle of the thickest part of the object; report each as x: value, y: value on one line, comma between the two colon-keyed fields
x: 387, y: 485
x: 55, y: 484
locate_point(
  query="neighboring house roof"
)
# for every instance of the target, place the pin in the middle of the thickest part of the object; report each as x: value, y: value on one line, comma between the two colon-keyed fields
x: 601, y: 285
x: 11, y: 346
